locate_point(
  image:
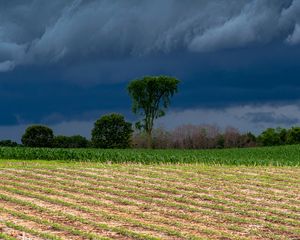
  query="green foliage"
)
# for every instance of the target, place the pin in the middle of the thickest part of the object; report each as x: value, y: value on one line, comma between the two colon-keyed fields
x: 270, y: 137
x: 250, y: 137
x: 76, y: 141
x: 8, y: 143
x: 277, y: 156
x: 111, y: 131
x: 151, y: 97
x: 283, y: 135
x: 61, y: 142
x: 38, y: 136
x: 293, y: 135
x: 220, y: 142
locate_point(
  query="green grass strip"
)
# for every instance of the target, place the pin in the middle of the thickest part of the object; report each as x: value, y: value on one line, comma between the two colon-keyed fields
x: 267, y: 156
x: 6, y: 237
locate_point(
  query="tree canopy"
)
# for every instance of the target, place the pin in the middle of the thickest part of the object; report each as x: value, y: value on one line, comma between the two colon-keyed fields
x: 38, y: 136
x: 151, y: 96
x: 111, y: 131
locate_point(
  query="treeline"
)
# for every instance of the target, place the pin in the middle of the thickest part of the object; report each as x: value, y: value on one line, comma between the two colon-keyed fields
x: 210, y: 136
x: 75, y: 141
x: 196, y: 137
x: 112, y: 131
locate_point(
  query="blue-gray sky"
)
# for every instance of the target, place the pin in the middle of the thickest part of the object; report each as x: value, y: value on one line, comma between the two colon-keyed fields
x: 64, y: 63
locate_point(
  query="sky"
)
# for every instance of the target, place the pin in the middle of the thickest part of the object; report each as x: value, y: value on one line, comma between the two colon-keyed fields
x: 66, y: 63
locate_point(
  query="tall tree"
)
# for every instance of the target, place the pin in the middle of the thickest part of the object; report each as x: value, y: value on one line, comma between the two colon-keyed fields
x: 151, y: 97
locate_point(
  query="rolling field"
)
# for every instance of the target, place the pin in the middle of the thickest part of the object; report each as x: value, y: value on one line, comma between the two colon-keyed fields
x: 53, y: 200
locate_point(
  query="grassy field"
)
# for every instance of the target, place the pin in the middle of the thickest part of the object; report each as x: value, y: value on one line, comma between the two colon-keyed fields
x: 80, y: 200
x: 275, y: 156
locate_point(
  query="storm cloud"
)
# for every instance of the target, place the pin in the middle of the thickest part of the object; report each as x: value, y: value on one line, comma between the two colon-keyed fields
x: 47, y: 32
x: 65, y: 63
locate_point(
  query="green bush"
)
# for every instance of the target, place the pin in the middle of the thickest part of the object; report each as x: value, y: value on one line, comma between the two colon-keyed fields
x: 76, y: 141
x: 8, y: 143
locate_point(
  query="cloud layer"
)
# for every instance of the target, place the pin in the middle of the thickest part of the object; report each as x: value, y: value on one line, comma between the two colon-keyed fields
x: 39, y: 32
x: 253, y: 118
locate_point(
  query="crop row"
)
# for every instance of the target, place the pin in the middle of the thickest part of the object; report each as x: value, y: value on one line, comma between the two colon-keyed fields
x: 154, y: 202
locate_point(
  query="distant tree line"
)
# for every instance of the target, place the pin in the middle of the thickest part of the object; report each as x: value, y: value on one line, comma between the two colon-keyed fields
x: 210, y: 136
x: 151, y: 96
x: 112, y: 131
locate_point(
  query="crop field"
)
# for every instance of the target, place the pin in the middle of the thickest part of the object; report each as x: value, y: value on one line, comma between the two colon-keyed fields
x: 275, y: 156
x: 54, y: 200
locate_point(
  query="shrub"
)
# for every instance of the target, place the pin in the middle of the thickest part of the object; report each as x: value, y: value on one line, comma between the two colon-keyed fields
x: 8, y: 143
x: 76, y: 141
x: 61, y: 142
x: 38, y: 136
x: 111, y: 131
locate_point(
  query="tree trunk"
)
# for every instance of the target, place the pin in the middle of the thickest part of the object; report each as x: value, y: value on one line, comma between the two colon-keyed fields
x: 149, y: 139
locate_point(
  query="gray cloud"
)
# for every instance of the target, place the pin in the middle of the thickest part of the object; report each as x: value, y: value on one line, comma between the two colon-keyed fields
x: 253, y: 118
x: 6, y: 66
x: 39, y: 32
x: 271, y: 117
x: 294, y: 38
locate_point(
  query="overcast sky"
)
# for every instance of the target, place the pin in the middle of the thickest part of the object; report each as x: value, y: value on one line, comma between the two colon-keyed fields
x: 65, y: 63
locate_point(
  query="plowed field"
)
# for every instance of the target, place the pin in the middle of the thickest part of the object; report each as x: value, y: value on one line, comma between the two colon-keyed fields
x: 135, y: 201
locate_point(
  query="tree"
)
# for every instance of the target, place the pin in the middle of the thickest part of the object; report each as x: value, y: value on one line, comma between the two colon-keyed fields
x: 38, y: 136
x: 111, y: 131
x: 61, y: 141
x: 151, y: 97
x: 247, y: 140
x: 270, y: 137
x: 76, y: 141
x: 293, y: 135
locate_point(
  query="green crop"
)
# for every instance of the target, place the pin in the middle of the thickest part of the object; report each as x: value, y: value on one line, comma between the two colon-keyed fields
x: 274, y: 156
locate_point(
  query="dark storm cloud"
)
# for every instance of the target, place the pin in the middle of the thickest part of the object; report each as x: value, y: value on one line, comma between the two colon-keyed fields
x: 53, y: 94
x: 64, y: 63
x: 34, y: 32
